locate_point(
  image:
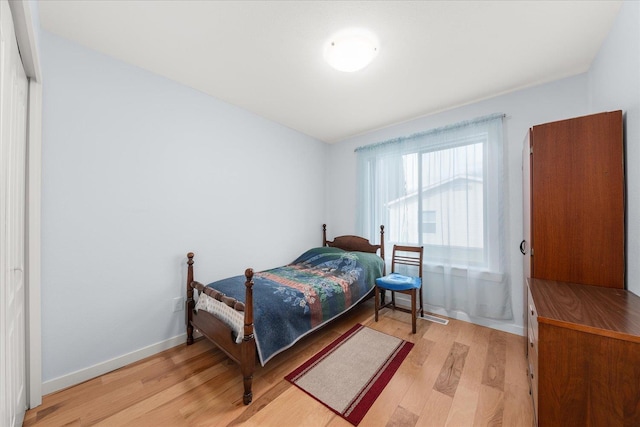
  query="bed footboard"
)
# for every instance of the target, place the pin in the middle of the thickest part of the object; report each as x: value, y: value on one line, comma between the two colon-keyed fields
x: 218, y: 332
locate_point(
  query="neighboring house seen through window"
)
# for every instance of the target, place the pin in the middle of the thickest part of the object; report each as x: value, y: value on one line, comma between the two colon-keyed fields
x: 428, y: 223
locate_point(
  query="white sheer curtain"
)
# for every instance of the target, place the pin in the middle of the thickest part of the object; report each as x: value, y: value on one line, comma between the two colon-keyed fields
x: 444, y: 189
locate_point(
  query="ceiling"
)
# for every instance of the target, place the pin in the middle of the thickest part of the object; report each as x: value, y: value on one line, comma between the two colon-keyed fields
x: 267, y: 56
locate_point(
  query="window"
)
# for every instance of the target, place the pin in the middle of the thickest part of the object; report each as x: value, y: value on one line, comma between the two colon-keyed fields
x: 440, y: 189
x: 443, y: 189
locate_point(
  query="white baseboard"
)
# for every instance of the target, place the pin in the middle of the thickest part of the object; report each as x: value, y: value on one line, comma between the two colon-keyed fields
x: 82, y: 375
x: 458, y: 315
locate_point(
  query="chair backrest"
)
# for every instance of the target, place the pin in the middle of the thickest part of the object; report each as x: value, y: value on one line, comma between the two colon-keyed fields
x: 407, y: 255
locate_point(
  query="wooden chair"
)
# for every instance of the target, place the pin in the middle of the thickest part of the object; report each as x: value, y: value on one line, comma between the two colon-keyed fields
x: 395, y: 282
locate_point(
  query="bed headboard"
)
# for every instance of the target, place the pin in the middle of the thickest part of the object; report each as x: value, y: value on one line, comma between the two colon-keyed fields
x: 354, y: 243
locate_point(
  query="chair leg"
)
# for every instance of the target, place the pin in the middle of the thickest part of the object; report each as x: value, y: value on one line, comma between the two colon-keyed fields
x: 421, y: 305
x: 413, y: 311
x: 377, y: 302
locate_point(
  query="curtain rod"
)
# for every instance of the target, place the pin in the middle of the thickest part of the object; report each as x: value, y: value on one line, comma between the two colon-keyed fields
x: 433, y: 131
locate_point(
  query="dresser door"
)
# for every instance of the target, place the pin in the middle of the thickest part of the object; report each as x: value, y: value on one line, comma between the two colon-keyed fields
x: 577, y: 198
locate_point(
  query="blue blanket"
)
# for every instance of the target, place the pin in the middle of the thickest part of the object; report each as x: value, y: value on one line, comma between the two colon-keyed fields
x: 291, y: 301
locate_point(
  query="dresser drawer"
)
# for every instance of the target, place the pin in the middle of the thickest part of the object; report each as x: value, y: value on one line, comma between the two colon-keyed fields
x: 532, y: 351
x: 532, y: 314
x: 532, y: 356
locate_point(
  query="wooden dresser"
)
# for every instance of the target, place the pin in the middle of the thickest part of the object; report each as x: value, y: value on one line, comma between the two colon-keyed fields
x: 583, y: 328
x: 584, y: 354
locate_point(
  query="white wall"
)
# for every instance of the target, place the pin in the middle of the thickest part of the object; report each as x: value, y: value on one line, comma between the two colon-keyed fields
x: 139, y: 170
x: 554, y: 101
x: 614, y: 82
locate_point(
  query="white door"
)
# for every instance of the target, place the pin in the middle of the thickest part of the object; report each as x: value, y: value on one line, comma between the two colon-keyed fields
x: 13, y: 110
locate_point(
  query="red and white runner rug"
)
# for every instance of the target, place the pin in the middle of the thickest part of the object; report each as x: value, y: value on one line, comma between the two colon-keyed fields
x: 350, y: 373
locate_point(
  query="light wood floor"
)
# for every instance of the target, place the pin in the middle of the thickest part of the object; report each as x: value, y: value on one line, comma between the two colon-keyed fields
x: 456, y: 375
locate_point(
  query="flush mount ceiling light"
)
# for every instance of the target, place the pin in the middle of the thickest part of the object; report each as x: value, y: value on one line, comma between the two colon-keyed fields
x: 351, y: 50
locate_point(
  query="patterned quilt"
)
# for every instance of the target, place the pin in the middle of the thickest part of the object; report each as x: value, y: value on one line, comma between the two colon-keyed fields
x: 291, y: 301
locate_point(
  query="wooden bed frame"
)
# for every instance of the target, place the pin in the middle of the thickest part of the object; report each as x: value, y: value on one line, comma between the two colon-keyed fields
x: 221, y: 335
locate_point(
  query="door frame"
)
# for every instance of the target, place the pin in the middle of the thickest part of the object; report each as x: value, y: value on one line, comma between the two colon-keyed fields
x: 23, y: 13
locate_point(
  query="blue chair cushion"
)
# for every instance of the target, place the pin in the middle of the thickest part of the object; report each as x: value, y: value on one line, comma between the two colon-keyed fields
x: 398, y: 282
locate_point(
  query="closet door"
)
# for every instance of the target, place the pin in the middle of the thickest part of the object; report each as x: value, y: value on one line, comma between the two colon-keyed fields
x: 13, y: 109
x: 577, y: 197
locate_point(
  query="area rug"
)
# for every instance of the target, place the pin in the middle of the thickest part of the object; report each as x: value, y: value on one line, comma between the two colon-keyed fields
x: 350, y: 373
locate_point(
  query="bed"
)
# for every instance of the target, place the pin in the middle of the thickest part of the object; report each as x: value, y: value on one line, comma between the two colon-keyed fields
x: 290, y: 301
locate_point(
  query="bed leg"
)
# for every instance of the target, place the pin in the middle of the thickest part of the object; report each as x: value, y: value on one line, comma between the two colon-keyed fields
x: 189, y: 305
x: 247, y: 397
x: 247, y: 366
x: 189, y: 334
x: 248, y: 355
